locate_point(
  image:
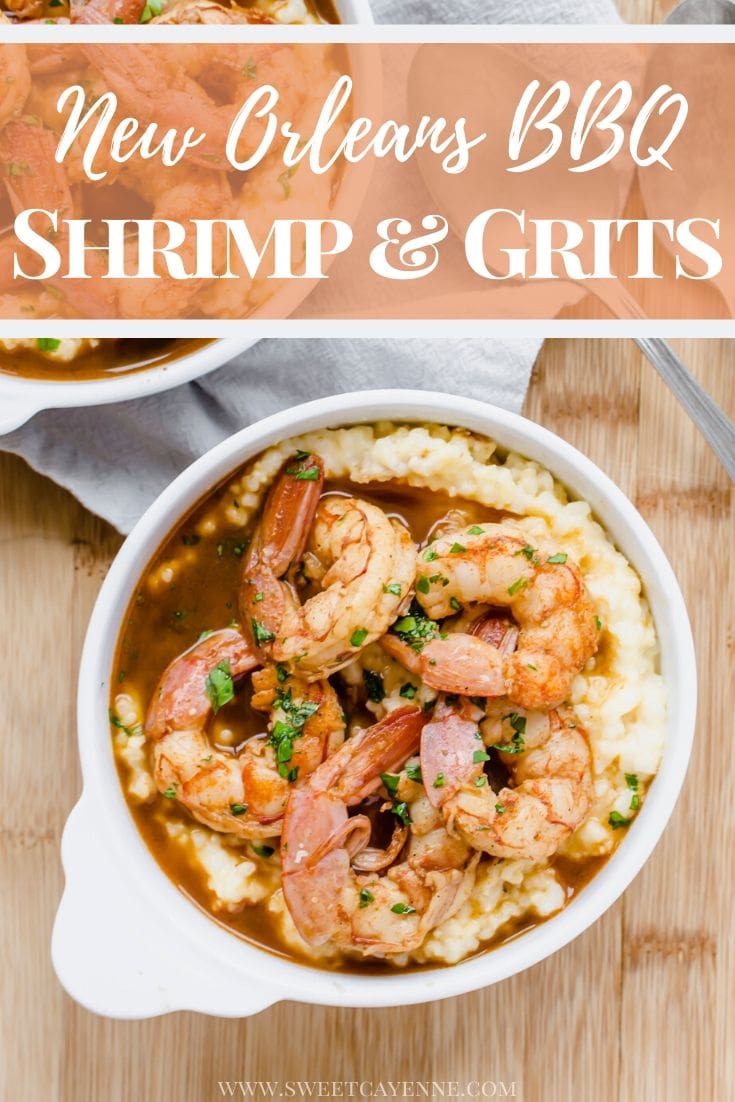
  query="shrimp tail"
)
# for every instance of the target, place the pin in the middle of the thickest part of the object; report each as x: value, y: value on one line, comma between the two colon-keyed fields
x: 278, y: 543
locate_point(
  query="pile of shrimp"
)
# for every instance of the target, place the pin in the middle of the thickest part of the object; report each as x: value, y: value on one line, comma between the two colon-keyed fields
x: 205, y: 88
x: 130, y: 11
x: 494, y: 629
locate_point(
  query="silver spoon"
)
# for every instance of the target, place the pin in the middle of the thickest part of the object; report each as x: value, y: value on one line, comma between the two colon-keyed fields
x: 717, y: 429
x: 702, y: 11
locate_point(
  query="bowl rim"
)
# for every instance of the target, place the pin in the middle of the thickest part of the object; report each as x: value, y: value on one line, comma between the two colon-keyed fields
x: 282, y: 978
x: 21, y: 398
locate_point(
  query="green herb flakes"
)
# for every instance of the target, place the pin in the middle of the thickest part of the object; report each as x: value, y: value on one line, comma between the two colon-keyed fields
x: 631, y: 779
x: 391, y: 782
x: 219, y: 686
x: 261, y: 634
x: 373, y: 686
x: 616, y: 820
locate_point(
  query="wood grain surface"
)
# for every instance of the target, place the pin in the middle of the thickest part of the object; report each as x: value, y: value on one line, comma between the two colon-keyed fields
x: 640, y: 1007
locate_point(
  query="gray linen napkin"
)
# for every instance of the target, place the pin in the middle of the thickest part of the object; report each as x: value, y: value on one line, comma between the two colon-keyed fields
x: 116, y: 459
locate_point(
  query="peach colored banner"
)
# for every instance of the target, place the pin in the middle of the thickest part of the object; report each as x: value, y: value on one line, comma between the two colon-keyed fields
x: 367, y: 181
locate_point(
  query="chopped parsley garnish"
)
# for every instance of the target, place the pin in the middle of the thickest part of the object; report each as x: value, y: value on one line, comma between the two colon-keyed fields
x: 373, y: 686
x: 170, y: 792
x: 517, y: 743
x: 454, y: 603
x: 631, y: 779
x: 403, y: 909
x: 249, y: 71
x: 262, y: 851
x: 430, y: 555
x: 481, y: 781
x: 366, y: 897
x: 560, y: 558
x: 500, y: 809
x: 286, y: 731
x: 616, y: 820
x: 258, y: 598
x: 598, y: 623
x: 401, y: 811
x: 457, y: 549
x: 219, y: 685
x: 423, y: 585
x: 239, y: 809
x: 129, y: 731
x: 408, y: 691
x: 358, y: 637
x: 394, y: 588
x: 153, y: 7
x: 308, y: 474
x: 391, y: 782
x: 416, y: 628
x: 281, y: 672
x: 260, y: 632
x: 47, y: 344
x: 413, y: 772
x: 479, y: 756
x: 439, y: 781
x: 285, y: 181
x: 528, y: 552
x: 517, y: 586
x: 475, y: 530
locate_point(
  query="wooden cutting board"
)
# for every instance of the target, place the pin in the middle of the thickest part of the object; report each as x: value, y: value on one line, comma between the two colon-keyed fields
x: 640, y: 1007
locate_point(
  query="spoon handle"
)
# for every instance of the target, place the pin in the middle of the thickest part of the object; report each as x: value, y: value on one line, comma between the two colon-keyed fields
x: 717, y: 429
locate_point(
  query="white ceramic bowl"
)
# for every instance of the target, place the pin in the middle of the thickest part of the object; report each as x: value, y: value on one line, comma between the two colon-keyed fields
x: 127, y: 944
x: 21, y: 399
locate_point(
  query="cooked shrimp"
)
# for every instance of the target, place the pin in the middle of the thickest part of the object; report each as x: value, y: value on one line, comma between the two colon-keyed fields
x: 558, y: 629
x: 131, y: 74
x: 328, y: 901
x: 362, y: 561
x: 107, y: 11
x: 245, y: 793
x: 15, y: 79
x: 549, y: 760
x: 207, y: 11
x: 22, y: 11
x: 193, y: 196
